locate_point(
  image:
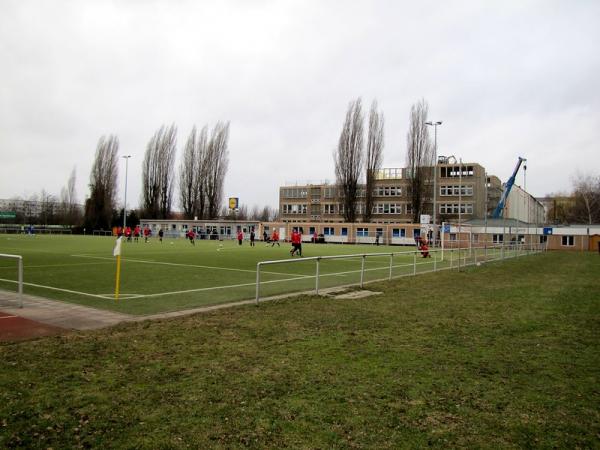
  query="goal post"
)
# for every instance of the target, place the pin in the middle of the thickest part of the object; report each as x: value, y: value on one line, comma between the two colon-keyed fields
x: 19, y: 260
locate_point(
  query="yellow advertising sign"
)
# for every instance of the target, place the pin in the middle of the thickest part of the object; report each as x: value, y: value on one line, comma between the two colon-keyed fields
x: 233, y: 202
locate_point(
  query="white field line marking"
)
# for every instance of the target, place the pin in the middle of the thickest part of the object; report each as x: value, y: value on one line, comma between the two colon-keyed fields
x: 214, y: 288
x: 144, y: 261
x: 121, y: 295
x: 58, y: 265
x: 54, y: 288
x: 8, y: 317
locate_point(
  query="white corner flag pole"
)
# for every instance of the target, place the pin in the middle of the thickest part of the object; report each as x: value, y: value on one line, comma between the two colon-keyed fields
x: 117, y: 253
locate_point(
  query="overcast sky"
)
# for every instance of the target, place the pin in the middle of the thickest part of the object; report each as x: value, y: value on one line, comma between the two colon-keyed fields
x: 507, y: 78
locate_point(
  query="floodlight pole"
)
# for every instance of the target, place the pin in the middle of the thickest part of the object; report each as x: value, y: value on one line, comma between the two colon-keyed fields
x: 125, y: 198
x: 434, y: 125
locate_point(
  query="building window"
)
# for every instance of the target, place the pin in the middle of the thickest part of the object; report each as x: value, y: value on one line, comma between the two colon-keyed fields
x: 456, y: 190
x: 455, y: 171
x: 329, y: 209
x: 453, y: 236
x: 568, y: 241
x: 344, y: 231
x: 497, y: 238
x: 328, y: 231
x: 387, y: 191
x: 387, y: 208
x: 453, y: 208
x: 311, y: 230
x: 362, y: 232
x: 329, y: 192
x: 398, y: 232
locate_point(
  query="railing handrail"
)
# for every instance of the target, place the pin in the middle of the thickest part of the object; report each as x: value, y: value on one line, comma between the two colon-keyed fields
x: 468, y: 250
x: 19, y: 259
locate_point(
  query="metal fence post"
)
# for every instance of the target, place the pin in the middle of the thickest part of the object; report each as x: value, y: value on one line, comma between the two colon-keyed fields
x: 414, y: 263
x: 257, y: 282
x: 391, y: 264
x: 435, y: 255
x: 362, y: 271
x: 20, y: 281
x: 317, y: 278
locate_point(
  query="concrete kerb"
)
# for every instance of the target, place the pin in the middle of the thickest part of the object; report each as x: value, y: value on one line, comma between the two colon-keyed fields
x: 77, y: 317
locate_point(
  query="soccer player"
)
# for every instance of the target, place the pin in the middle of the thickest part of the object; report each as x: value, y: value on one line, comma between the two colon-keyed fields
x: 160, y: 235
x: 240, y: 237
x: 275, y: 238
x: 146, y: 234
x: 191, y: 235
x: 136, y: 233
x: 424, y: 249
x: 296, y: 243
x: 252, y: 236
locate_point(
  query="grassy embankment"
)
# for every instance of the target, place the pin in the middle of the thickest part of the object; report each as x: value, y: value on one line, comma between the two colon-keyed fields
x: 504, y: 355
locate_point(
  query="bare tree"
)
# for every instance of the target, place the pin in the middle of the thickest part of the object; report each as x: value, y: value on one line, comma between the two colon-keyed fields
x: 419, y: 157
x: 216, y: 168
x: 348, y: 159
x: 103, y: 184
x: 68, y: 202
x: 192, y: 174
x: 47, y: 207
x: 266, y: 214
x: 374, y: 157
x: 586, y: 205
x: 158, y: 173
x: 254, y: 213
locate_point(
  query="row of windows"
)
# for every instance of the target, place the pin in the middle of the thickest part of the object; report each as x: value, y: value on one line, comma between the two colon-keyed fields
x: 453, y: 208
x: 331, y: 192
x: 378, y: 208
x: 456, y: 190
x: 293, y: 193
x: 387, y: 208
x: 361, y: 232
x: 387, y: 191
x: 333, y: 208
x: 457, y: 171
x: 293, y: 209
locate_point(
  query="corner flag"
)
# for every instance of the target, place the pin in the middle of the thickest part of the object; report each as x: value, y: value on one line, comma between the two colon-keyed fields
x: 117, y: 253
x: 117, y: 249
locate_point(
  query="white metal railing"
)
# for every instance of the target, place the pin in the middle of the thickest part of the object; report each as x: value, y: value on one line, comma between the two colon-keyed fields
x: 441, y: 259
x: 19, y: 259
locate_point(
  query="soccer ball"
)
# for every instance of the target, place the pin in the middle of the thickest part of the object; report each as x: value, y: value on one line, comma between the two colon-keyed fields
x: 171, y: 243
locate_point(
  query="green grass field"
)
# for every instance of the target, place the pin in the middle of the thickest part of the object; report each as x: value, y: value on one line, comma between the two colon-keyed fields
x: 506, y: 355
x: 175, y: 275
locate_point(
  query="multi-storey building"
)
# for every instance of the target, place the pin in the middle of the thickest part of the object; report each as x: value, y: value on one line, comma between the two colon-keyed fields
x: 464, y: 187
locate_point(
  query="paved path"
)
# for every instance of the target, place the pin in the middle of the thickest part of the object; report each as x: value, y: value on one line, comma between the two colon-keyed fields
x: 59, y: 314
x: 77, y: 317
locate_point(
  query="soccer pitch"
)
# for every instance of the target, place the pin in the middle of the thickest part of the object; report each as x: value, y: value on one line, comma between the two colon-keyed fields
x: 175, y: 275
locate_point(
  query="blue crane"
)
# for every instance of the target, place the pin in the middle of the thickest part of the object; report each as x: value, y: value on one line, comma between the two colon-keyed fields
x: 507, y: 187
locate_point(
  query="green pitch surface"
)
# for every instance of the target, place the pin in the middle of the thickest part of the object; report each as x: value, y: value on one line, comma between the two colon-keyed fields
x: 174, y: 275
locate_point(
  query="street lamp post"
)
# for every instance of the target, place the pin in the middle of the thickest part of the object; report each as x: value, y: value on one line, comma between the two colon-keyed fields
x: 434, y: 125
x: 125, y: 198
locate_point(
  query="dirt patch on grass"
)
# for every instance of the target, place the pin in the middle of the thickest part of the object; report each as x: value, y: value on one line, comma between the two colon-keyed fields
x: 15, y: 328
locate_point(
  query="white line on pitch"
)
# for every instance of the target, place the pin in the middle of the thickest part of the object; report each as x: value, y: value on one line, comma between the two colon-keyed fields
x: 214, y: 288
x: 54, y: 288
x: 57, y: 265
x: 144, y: 261
x: 8, y: 317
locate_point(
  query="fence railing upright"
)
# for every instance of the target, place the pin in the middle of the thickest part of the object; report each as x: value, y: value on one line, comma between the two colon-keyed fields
x: 440, y: 260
